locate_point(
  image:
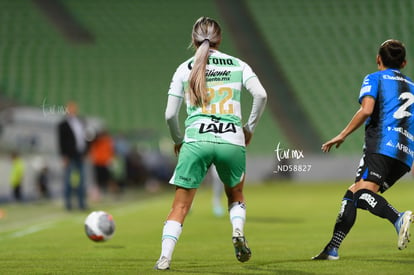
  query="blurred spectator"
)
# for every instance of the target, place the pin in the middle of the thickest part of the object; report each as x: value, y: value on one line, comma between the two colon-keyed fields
x: 118, y: 171
x: 73, y: 147
x: 122, y: 145
x: 122, y: 148
x: 136, y: 171
x: 41, y: 170
x: 43, y: 182
x: 16, y: 175
x: 101, y: 155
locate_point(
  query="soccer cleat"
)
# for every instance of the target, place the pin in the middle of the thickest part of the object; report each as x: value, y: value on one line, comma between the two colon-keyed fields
x: 162, y: 264
x: 327, y: 254
x: 402, y: 225
x: 243, y: 252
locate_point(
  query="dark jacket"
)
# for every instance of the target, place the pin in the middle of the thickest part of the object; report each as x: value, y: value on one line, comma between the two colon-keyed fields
x: 67, y: 142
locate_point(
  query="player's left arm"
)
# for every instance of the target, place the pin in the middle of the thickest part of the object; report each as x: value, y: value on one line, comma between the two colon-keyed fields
x: 366, y: 109
x: 171, y: 116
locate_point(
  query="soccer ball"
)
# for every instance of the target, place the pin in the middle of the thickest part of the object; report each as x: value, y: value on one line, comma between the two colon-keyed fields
x: 99, y: 226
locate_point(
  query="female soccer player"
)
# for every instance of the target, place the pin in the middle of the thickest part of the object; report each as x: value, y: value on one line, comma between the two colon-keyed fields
x: 386, y: 99
x: 211, y: 84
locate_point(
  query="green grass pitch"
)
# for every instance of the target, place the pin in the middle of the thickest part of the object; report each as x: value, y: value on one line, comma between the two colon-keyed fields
x: 287, y: 224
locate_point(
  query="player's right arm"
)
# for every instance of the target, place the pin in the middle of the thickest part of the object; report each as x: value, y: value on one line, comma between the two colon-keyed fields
x: 366, y: 109
x: 367, y: 96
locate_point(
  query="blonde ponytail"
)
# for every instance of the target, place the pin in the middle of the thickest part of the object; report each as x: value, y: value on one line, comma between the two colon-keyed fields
x: 197, y: 80
x: 206, y: 33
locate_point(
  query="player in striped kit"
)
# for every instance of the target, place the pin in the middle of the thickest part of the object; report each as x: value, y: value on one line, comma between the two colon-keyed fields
x: 386, y: 99
x: 211, y: 84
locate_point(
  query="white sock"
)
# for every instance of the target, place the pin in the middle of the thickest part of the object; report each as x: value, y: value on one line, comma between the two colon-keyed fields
x: 237, y: 211
x: 218, y: 190
x: 170, y: 234
x: 218, y: 187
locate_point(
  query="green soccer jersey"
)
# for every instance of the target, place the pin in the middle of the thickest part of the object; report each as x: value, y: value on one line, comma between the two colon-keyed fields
x: 220, y: 121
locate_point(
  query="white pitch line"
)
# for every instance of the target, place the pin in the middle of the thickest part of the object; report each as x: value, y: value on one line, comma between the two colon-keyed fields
x: 27, y: 231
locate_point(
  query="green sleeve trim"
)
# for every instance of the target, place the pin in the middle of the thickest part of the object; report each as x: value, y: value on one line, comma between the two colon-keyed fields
x: 176, y: 95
